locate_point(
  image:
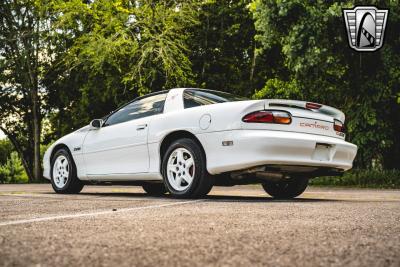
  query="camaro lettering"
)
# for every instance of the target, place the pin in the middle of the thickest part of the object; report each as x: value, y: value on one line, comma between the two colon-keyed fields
x: 314, y: 125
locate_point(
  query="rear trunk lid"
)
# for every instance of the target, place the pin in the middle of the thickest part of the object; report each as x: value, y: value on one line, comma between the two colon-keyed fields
x: 307, y: 117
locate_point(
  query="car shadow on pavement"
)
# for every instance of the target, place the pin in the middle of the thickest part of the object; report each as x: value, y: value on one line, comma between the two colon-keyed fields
x: 227, y: 198
x: 209, y: 198
x: 117, y: 194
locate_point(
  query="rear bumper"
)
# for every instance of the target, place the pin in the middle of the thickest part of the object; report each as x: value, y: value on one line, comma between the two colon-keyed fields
x: 262, y: 147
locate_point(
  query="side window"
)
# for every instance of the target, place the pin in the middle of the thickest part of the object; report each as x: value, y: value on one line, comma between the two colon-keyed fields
x: 194, y: 99
x: 200, y: 97
x: 141, y: 108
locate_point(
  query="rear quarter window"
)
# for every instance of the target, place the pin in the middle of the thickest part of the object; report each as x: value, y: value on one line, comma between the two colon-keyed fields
x: 195, y: 98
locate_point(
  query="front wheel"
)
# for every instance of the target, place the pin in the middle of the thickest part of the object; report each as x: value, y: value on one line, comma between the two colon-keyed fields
x: 184, y: 170
x: 286, y: 189
x: 63, y: 174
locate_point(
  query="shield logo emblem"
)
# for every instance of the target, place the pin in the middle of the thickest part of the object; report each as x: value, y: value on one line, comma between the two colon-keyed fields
x: 365, y: 27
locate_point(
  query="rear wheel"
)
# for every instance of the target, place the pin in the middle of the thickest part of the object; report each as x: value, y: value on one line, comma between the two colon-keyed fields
x: 286, y: 189
x: 63, y: 174
x: 155, y: 189
x: 184, y: 170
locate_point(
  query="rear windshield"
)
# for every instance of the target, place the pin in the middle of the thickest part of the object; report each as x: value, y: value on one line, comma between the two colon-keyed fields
x: 195, y: 98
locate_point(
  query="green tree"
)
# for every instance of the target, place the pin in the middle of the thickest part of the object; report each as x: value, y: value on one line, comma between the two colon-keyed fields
x: 115, y: 51
x: 224, y: 52
x: 23, y: 59
x: 5, y: 150
x: 13, y: 171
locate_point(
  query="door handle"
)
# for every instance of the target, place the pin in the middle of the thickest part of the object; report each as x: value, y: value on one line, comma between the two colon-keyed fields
x: 141, y: 127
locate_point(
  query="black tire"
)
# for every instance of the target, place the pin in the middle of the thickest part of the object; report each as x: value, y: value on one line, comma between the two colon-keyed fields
x: 155, y: 189
x: 202, y: 182
x: 286, y: 189
x: 73, y: 184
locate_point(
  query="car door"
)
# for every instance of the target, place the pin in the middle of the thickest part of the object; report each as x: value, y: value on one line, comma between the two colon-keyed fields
x: 120, y: 145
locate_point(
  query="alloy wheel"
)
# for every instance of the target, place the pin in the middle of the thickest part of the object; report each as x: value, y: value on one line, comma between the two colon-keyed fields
x: 180, y: 169
x: 61, y: 171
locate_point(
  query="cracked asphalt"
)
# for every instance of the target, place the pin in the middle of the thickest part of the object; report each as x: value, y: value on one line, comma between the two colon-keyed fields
x: 237, y: 226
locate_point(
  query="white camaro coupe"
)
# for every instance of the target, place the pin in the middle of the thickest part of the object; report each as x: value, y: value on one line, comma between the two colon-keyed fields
x: 184, y: 141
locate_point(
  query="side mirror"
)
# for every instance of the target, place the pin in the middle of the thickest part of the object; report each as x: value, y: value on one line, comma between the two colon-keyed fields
x: 96, y: 124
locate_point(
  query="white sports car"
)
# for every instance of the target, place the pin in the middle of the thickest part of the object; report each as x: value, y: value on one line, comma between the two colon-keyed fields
x: 184, y: 141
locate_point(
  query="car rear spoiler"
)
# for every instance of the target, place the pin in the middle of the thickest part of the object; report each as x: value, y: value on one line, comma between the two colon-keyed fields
x: 323, y: 109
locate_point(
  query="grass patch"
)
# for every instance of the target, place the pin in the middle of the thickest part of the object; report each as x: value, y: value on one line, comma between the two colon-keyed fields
x: 363, y: 179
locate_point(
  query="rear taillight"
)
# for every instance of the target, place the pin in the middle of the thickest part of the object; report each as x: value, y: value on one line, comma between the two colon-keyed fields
x: 268, y: 116
x: 338, y: 126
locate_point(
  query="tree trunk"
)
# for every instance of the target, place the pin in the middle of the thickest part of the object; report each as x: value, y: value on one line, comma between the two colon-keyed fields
x: 253, y: 63
x: 37, y: 170
x: 20, y: 153
x: 203, y: 68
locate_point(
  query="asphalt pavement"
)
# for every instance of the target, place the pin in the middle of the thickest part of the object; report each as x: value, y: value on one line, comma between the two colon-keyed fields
x: 237, y: 226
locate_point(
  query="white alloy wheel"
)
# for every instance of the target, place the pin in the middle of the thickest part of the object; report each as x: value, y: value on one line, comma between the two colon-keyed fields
x: 180, y: 169
x: 61, y: 171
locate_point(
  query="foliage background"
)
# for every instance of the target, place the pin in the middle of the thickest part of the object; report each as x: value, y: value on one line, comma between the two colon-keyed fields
x: 93, y: 56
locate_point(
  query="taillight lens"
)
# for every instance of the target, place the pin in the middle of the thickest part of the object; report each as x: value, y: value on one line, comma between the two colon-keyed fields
x: 267, y: 116
x: 338, y: 126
